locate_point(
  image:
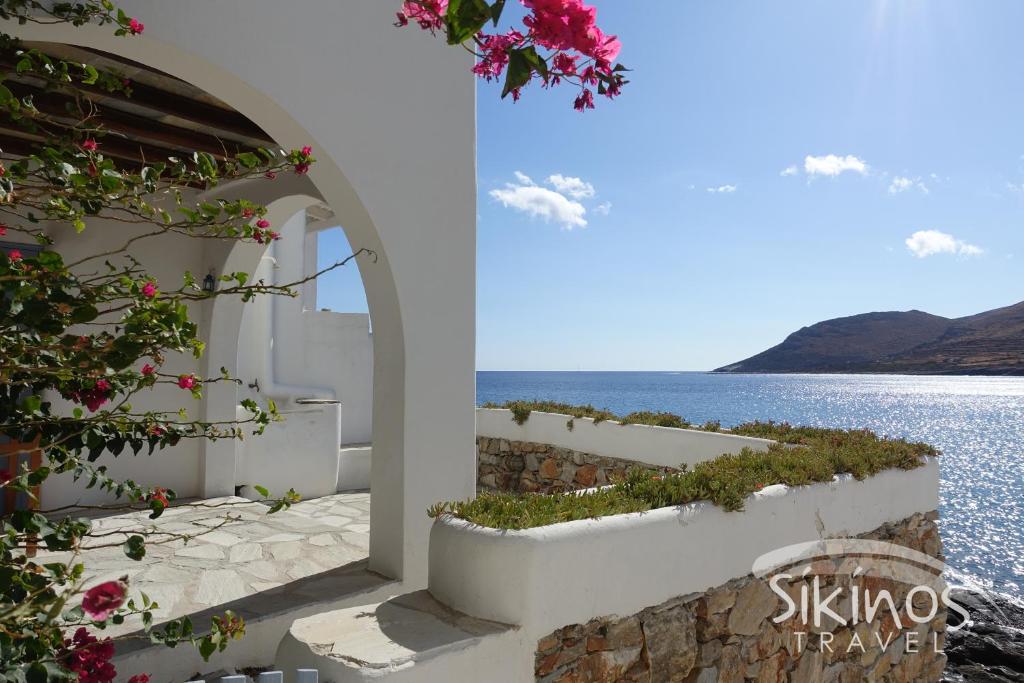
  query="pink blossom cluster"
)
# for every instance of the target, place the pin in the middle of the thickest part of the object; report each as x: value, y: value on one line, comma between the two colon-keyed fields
x: 94, y: 397
x: 578, y: 51
x: 427, y: 13
x: 571, y: 25
x: 101, y: 600
x: 263, y: 234
x: 494, y: 53
x: 305, y: 158
x: 89, y: 657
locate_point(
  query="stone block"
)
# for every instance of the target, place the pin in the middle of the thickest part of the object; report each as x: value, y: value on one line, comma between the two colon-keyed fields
x: 670, y: 637
x: 754, y: 603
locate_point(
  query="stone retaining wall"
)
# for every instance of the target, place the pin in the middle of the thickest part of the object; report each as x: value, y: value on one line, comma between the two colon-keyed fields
x: 728, y: 633
x: 526, y: 467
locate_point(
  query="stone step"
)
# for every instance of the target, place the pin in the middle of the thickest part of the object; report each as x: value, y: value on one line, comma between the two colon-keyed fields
x: 409, y: 639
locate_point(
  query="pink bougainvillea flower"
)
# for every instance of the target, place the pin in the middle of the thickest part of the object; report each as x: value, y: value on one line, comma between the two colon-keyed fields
x: 270, y: 175
x: 262, y: 224
x: 102, y: 385
x: 429, y: 14
x: 136, y: 26
x: 307, y: 151
x: 273, y: 236
x: 149, y: 289
x: 14, y: 255
x: 139, y: 678
x: 101, y: 600
x: 90, y: 145
x: 585, y: 100
x: 248, y: 213
x: 89, y: 657
x: 187, y: 381
x: 148, y: 369
x: 3, y: 230
x: 301, y: 169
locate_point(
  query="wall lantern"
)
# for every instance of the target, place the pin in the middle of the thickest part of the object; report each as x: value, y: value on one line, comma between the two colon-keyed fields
x: 209, y: 283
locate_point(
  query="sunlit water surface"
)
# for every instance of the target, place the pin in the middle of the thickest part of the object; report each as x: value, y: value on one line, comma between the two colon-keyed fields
x: 977, y: 422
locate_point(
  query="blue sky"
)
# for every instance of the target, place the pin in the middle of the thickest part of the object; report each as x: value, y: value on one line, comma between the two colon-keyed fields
x: 894, y: 118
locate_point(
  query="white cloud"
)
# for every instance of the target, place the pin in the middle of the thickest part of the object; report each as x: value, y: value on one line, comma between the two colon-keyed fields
x: 789, y: 170
x: 832, y: 165
x: 576, y: 188
x: 903, y: 183
x: 604, y: 208
x: 540, y: 202
x: 924, y: 243
x: 723, y: 189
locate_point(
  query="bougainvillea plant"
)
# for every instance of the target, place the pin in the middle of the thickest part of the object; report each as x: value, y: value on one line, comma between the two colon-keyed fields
x: 80, y: 339
x: 558, y: 43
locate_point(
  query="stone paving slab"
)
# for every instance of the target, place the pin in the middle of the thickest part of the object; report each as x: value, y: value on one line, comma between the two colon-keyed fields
x: 369, y: 641
x: 241, y: 558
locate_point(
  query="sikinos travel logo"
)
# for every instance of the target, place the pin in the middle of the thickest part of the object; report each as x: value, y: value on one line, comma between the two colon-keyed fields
x: 885, y: 595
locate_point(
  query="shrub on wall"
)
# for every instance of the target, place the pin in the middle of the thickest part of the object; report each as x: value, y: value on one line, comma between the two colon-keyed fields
x: 725, y: 481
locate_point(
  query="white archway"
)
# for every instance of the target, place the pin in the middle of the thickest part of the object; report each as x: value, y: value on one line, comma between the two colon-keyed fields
x: 358, y: 112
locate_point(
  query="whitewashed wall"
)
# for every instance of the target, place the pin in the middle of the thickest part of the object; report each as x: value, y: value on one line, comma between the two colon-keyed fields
x: 652, y: 445
x: 178, y: 468
x: 546, y: 577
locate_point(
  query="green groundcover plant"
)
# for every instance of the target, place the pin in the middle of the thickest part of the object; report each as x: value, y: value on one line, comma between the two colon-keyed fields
x: 800, y: 456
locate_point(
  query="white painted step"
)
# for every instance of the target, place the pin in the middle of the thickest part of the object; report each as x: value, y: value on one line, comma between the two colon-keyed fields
x: 409, y: 639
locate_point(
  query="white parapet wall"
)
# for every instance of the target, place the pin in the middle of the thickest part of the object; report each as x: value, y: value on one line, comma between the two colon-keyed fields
x: 300, y: 452
x: 664, y: 446
x: 546, y: 577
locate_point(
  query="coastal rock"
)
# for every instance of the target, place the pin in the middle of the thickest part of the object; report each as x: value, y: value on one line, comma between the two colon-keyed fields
x: 991, y: 648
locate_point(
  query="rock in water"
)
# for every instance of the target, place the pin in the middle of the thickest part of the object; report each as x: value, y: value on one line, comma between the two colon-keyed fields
x: 991, y: 648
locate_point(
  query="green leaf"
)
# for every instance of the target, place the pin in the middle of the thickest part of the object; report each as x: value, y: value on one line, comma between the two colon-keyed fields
x: 465, y: 18
x: 535, y: 61
x: 517, y: 74
x: 91, y: 74
x: 248, y: 159
x: 262, y: 491
x: 206, y: 648
x: 496, y: 10
x: 84, y: 314
x: 6, y: 96
x: 135, y: 547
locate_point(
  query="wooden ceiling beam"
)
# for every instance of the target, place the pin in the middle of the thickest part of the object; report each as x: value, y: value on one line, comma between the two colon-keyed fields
x: 134, y: 127
x: 162, y: 101
x: 16, y: 141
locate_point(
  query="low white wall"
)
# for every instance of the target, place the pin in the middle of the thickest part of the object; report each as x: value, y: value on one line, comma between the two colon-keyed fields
x: 547, y: 577
x: 354, y: 468
x: 300, y: 453
x: 653, y: 445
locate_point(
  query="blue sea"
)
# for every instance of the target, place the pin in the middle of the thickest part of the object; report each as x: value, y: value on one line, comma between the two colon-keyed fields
x: 977, y: 422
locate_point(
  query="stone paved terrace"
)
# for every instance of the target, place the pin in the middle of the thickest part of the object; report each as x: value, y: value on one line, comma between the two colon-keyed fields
x: 255, y: 564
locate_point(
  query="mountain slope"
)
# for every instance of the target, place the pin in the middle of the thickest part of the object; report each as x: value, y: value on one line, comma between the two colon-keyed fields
x: 901, y: 342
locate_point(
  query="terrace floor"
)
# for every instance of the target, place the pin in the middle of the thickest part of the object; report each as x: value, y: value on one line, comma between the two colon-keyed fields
x: 241, y: 558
